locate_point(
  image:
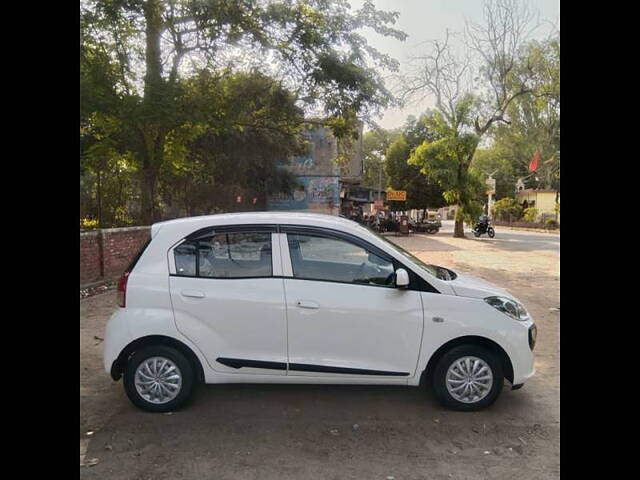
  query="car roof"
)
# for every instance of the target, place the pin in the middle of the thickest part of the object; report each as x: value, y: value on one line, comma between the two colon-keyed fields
x: 184, y: 226
x: 167, y: 234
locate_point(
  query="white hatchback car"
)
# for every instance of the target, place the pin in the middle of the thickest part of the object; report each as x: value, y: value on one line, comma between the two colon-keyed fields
x: 306, y: 298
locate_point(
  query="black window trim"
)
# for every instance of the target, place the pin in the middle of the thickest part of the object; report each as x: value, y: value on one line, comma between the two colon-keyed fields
x: 236, y: 228
x: 416, y: 283
x: 138, y: 255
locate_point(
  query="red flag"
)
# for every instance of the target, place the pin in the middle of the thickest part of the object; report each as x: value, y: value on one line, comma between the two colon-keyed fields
x: 533, y: 165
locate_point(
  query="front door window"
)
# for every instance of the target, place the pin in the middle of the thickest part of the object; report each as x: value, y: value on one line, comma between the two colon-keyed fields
x: 316, y: 257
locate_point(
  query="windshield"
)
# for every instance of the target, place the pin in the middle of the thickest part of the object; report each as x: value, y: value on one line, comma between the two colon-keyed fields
x: 432, y: 269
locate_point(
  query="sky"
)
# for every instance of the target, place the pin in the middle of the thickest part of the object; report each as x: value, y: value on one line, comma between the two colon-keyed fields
x: 426, y: 20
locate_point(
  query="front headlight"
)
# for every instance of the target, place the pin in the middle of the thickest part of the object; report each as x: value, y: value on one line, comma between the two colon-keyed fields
x: 508, y: 307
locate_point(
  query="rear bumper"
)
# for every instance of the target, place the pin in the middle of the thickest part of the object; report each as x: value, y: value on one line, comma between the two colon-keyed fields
x: 116, y: 337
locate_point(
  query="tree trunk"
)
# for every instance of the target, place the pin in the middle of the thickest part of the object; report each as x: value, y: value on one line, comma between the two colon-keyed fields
x: 148, y: 188
x: 152, y: 128
x: 458, y: 231
x: 99, y: 195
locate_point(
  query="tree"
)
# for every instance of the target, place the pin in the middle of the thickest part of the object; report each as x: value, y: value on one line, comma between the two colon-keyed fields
x: 534, y: 126
x: 422, y: 193
x: 374, y: 147
x: 467, y: 106
x: 247, y: 125
x: 147, y: 48
x: 445, y: 161
x: 497, y: 161
x: 535, y: 118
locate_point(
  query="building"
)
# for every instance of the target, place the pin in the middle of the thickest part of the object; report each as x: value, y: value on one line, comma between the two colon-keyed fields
x: 448, y: 212
x: 543, y: 200
x: 320, y: 178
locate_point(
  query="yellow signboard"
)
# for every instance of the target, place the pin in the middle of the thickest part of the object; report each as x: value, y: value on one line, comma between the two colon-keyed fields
x: 396, y: 195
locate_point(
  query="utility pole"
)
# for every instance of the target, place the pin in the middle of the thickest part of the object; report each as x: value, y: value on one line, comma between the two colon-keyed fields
x: 380, y: 181
x: 491, y: 182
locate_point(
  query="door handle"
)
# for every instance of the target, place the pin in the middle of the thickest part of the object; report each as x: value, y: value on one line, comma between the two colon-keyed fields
x: 307, y: 304
x: 192, y: 293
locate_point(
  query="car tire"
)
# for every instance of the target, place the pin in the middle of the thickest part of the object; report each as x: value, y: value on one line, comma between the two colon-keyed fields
x: 168, y: 394
x: 491, y: 232
x: 442, y: 377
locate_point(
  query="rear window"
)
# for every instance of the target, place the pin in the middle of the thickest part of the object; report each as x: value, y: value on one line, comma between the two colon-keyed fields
x: 225, y: 255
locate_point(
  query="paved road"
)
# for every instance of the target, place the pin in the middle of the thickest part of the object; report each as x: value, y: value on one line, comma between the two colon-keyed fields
x: 306, y: 431
x: 513, y: 240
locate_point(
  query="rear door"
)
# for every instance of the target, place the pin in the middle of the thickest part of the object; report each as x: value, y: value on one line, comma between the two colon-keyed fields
x: 228, y: 301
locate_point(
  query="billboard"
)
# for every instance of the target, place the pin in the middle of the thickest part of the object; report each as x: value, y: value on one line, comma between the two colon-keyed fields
x: 396, y: 195
x: 314, y: 193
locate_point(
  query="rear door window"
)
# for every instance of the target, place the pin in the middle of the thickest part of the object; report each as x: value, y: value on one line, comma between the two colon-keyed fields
x: 226, y: 255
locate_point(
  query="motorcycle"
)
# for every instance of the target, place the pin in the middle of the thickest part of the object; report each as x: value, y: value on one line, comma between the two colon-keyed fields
x: 484, y: 226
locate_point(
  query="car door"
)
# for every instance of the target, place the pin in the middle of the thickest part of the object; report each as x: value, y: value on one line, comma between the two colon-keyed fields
x: 228, y: 301
x: 345, y: 316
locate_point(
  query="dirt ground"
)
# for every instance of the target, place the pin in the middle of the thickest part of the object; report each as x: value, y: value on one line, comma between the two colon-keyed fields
x: 341, y: 432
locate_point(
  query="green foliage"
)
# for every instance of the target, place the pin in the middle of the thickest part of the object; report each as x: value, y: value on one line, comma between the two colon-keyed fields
x: 506, y: 209
x: 491, y: 160
x: 530, y: 214
x: 534, y: 121
x: 446, y: 161
x: 374, y: 147
x: 153, y: 69
x: 249, y: 126
x: 422, y: 192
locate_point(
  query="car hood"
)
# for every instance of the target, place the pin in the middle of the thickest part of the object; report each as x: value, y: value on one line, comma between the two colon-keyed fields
x: 470, y: 286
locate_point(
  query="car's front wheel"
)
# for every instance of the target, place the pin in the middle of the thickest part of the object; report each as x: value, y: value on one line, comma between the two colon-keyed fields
x: 468, y: 377
x: 158, y: 378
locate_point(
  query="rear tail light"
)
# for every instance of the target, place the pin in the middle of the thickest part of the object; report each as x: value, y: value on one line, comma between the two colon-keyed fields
x: 122, y: 289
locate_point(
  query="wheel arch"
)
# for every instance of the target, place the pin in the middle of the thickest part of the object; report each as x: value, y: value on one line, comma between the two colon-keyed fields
x: 489, y: 344
x: 120, y: 363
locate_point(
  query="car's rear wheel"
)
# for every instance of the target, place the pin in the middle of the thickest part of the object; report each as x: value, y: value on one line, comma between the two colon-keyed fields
x: 468, y: 377
x: 158, y: 378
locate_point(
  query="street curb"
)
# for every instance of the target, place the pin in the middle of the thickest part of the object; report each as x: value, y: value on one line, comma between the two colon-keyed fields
x: 524, y: 229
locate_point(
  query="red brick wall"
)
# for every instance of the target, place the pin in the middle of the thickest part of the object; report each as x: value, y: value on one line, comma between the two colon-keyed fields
x: 89, y: 257
x: 106, y: 253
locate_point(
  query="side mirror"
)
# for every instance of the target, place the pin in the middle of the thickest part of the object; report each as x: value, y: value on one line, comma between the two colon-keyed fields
x: 402, y: 278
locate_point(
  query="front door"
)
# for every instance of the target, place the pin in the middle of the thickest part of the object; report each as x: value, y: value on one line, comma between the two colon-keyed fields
x: 345, y: 316
x: 227, y: 300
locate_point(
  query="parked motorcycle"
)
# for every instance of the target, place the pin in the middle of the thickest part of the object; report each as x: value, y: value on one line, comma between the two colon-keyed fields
x: 484, y: 226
